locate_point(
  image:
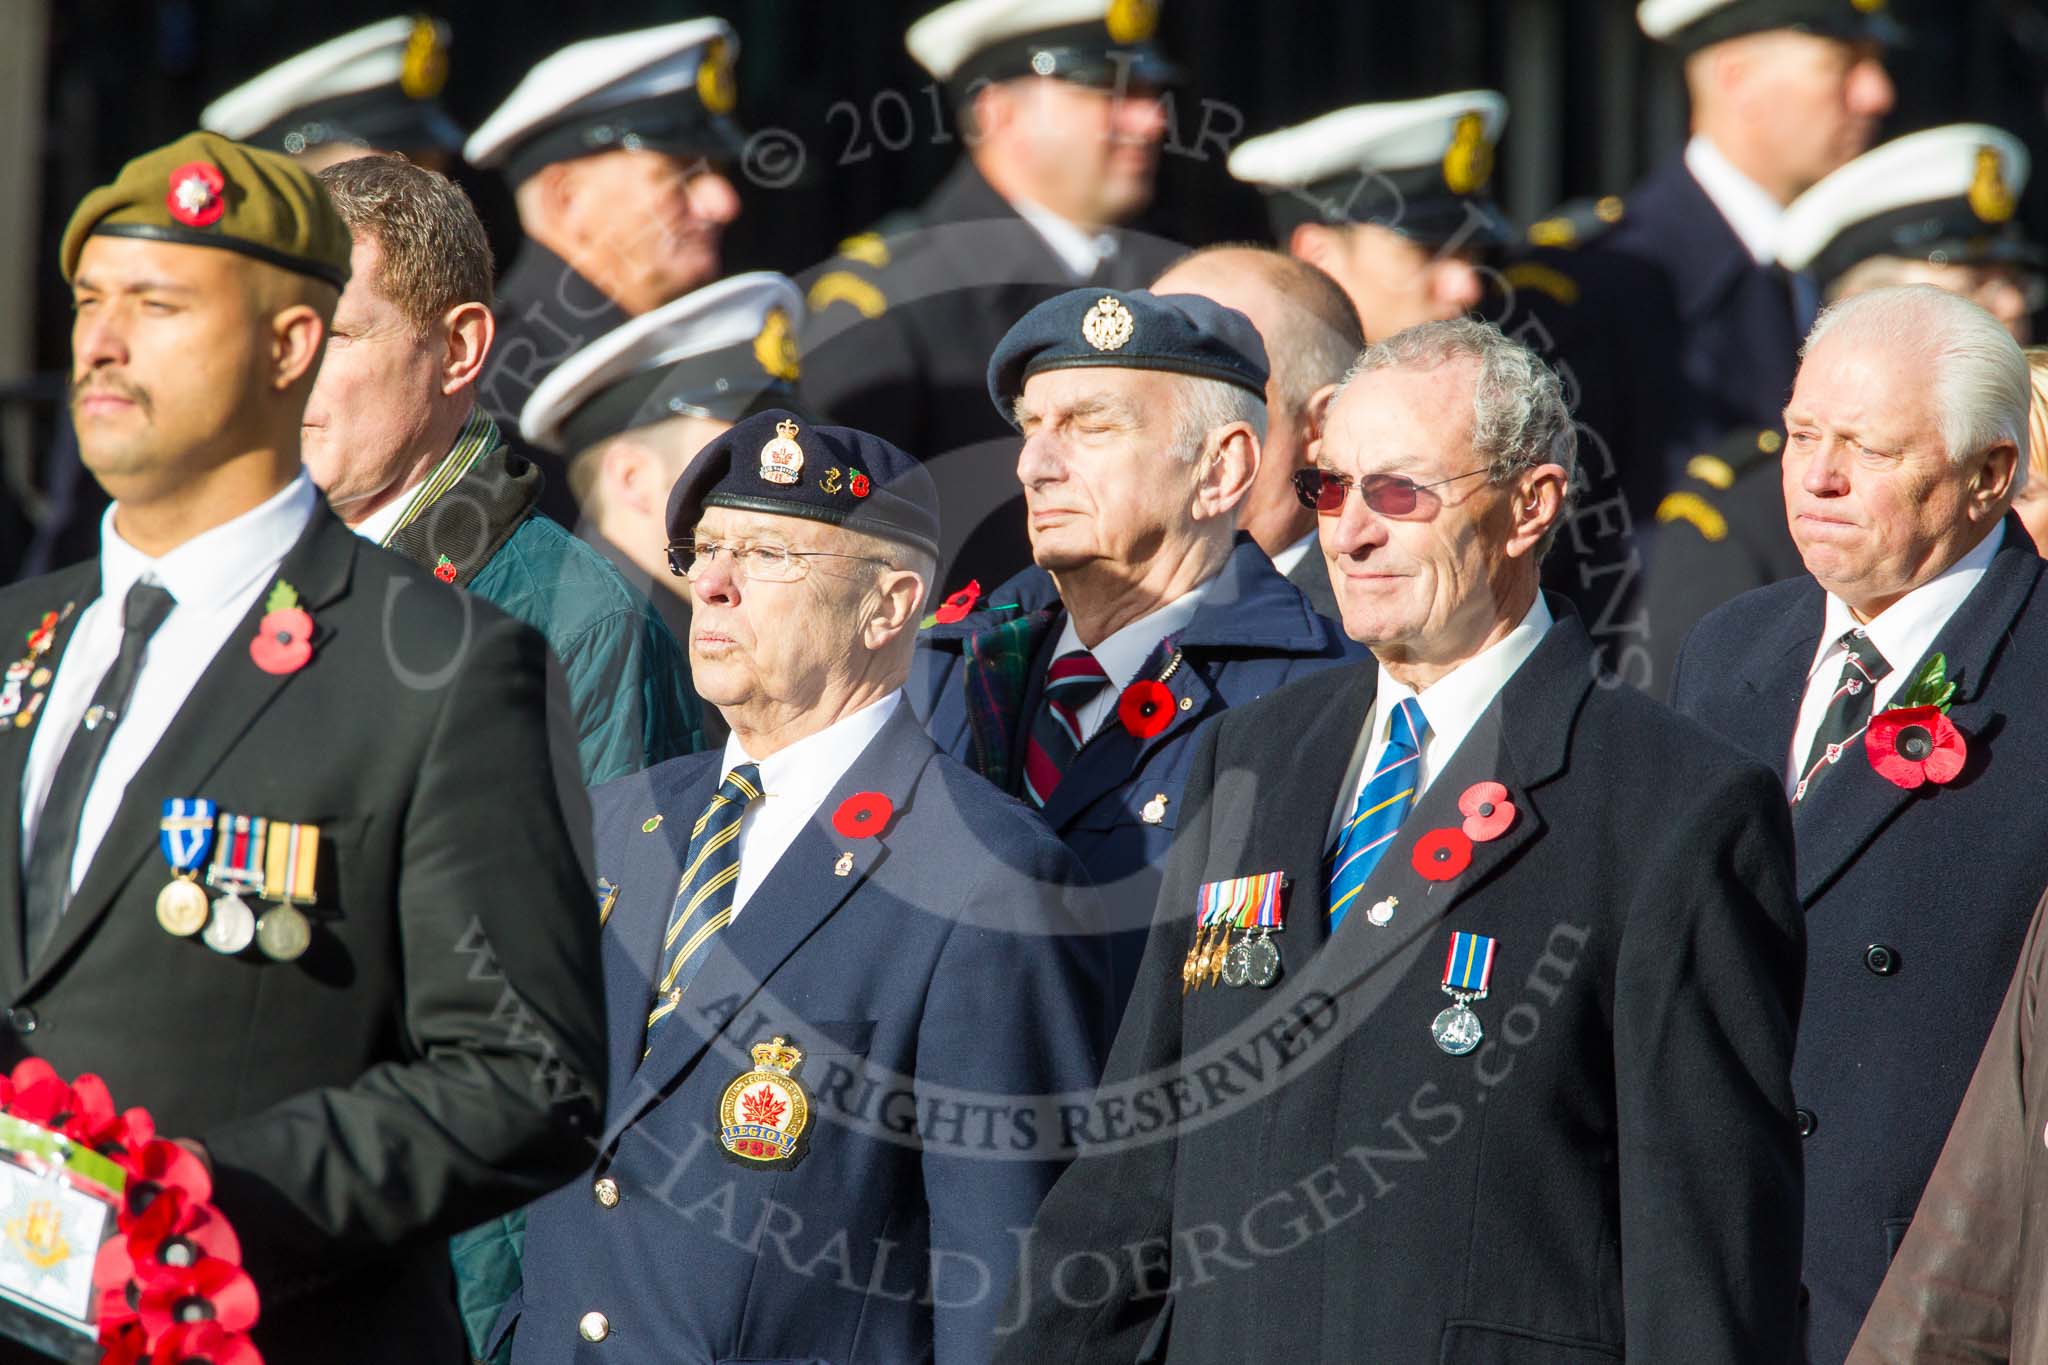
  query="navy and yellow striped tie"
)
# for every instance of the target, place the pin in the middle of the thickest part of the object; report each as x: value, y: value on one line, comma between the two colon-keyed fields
x: 704, y: 896
x: 1382, y: 803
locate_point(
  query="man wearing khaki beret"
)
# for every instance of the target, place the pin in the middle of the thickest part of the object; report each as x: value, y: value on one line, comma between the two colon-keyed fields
x: 387, y: 1034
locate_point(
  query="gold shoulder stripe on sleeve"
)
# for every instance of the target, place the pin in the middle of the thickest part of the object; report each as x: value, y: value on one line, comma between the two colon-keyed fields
x: 1711, y: 469
x: 866, y: 247
x: 1545, y: 280
x: 1691, y: 507
x: 843, y: 286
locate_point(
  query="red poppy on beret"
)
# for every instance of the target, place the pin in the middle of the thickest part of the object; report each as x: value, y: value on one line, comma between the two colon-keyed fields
x: 863, y: 815
x: 194, y: 197
x: 1915, y: 744
x: 1442, y: 854
x: 1145, y: 708
x: 1487, y: 811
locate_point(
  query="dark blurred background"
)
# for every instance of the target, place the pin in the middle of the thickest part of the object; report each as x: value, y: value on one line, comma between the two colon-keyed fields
x: 1593, y: 104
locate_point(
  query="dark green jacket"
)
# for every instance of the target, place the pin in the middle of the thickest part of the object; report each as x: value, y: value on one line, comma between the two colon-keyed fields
x: 476, y: 525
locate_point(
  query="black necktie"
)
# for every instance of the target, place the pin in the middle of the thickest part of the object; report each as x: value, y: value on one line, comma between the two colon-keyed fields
x: 1848, y: 713
x: 56, y: 840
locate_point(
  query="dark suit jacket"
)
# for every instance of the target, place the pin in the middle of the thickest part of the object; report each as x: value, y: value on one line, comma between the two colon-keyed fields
x: 1312, y: 576
x: 941, y: 1001
x: 1970, y: 1281
x: 437, y: 1056
x: 1253, y: 633
x: 1301, y: 1174
x: 902, y: 324
x: 1916, y: 903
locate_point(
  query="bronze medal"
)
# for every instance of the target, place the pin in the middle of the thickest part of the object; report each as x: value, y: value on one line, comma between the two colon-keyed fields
x: 181, y: 907
x: 284, y: 933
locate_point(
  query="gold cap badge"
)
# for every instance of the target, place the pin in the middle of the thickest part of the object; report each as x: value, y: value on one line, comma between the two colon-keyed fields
x: 425, y: 67
x: 775, y: 347
x: 717, y: 86
x: 1469, y: 161
x: 1108, y: 324
x: 782, y: 459
x: 1991, y: 199
x: 1131, y: 21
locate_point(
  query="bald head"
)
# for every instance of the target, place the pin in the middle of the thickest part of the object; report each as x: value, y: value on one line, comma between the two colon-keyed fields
x: 1312, y: 336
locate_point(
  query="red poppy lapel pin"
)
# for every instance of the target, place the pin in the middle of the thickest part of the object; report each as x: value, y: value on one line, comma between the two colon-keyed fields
x: 1442, y: 854
x: 863, y: 815
x: 284, y: 638
x: 1145, y: 707
x: 444, y: 569
x: 956, y: 607
x: 1913, y: 742
x: 1487, y: 811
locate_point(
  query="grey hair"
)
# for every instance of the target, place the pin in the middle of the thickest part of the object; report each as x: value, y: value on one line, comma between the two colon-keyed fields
x: 1519, y: 416
x: 1980, y: 373
x: 1202, y: 405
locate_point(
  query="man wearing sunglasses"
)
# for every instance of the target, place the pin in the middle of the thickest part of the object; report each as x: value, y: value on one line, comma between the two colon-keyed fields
x: 1079, y: 684
x: 1586, y: 1152
x: 840, y: 968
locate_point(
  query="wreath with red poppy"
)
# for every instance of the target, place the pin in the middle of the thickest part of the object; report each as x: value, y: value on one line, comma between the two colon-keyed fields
x: 1913, y: 742
x: 863, y: 815
x: 169, y: 1282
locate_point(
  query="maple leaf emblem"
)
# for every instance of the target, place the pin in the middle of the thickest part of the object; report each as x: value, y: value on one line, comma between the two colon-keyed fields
x: 762, y: 1107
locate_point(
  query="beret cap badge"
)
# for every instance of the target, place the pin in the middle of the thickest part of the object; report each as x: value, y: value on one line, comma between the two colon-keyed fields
x: 194, y: 198
x: 782, y: 459
x: 1108, y: 324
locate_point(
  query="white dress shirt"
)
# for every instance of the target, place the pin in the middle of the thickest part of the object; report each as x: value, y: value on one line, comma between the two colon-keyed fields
x: 1125, y: 652
x: 1902, y: 632
x: 378, y: 526
x: 794, y: 783
x: 1452, y: 705
x: 1292, y: 555
x: 215, y: 577
x: 1079, y: 251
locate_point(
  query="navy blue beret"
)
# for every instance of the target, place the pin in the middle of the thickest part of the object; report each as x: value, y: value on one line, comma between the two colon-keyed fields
x: 775, y: 462
x: 1128, y: 329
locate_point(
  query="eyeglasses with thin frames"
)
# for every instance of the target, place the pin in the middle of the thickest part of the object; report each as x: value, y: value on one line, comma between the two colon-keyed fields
x: 755, y: 563
x: 1390, y: 495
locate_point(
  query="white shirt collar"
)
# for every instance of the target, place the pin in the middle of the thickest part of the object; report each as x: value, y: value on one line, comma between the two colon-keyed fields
x: 1454, y: 703
x: 378, y: 526
x: 1746, y: 205
x: 1125, y: 652
x: 1292, y: 555
x: 215, y: 566
x: 801, y: 775
x: 1077, y: 250
x: 1904, y: 631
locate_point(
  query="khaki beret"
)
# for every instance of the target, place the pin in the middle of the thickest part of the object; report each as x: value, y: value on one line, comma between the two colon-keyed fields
x: 204, y: 190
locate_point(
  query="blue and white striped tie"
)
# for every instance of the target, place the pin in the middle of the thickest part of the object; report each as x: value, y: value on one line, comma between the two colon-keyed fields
x: 1382, y: 804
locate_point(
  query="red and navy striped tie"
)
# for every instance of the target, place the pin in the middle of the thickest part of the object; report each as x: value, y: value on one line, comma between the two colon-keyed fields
x: 1071, y: 683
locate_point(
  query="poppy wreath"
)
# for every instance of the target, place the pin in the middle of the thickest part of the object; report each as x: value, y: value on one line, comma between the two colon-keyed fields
x: 1913, y: 742
x: 169, y: 1282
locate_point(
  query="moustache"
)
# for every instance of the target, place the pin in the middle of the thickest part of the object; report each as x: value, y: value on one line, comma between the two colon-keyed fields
x: 115, y: 385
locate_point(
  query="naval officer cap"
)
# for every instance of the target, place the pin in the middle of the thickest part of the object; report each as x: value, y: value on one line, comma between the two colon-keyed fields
x: 1689, y: 25
x: 204, y: 190
x: 375, y: 87
x: 776, y: 463
x: 1423, y: 168
x: 1947, y: 195
x: 724, y: 351
x: 1128, y: 329
x: 665, y: 89
x: 1107, y: 43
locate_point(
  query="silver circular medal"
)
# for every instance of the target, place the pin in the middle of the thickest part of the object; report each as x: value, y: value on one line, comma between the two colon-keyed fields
x: 1382, y: 912
x: 1263, y: 962
x: 232, y: 927
x: 1457, y: 1030
x: 1237, y: 963
x: 181, y: 908
x: 283, y: 933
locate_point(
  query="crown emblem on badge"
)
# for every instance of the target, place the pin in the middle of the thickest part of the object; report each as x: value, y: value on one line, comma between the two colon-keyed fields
x: 1469, y: 161
x: 1991, y: 199
x: 764, y: 1112
x: 1108, y: 325
x: 782, y: 459
x: 777, y: 1056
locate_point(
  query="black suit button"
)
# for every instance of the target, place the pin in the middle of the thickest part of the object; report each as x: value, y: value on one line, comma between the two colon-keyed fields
x: 1806, y: 1121
x: 22, y: 1019
x: 1881, y: 960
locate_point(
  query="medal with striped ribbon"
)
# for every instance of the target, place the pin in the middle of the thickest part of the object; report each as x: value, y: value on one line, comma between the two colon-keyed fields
x: 1468, y: 967
x: 185, y: 834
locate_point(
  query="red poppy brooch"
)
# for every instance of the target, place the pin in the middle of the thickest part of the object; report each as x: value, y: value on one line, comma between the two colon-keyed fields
x: 1442, y: 854
x: 444, y: 569
x: 284, y: 638
x: 1913, y: 742
x: 1487, y: 811
x: 956, y: 607
x: 863, y: 815
x: 1145, y: 707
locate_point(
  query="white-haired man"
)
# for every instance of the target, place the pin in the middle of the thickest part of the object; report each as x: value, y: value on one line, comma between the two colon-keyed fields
x: 1894, y: 686
x: 1079, y: 684
x: 1302, y: 1150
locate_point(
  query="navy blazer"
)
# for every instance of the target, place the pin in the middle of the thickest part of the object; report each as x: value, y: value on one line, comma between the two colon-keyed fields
x: 1119, y: 803
x: 1300, y: 1174
x: 1916, y: 903
x: 943, y: 1001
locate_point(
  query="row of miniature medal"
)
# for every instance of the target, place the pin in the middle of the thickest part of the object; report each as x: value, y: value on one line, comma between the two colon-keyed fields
x: 1252, y: 906
x: 251, y: 856
x: 30, y: 671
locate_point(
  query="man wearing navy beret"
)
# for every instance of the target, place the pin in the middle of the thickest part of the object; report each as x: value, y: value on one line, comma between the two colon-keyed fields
x: 841, y: 969
x: 1080, y: 683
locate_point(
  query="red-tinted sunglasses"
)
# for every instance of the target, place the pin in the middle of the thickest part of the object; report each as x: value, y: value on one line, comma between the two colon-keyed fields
x: 1390, y: 495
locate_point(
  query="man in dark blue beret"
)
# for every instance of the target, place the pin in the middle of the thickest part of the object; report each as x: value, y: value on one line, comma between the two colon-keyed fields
x: 1080, y: 683
x: 843, y: 972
